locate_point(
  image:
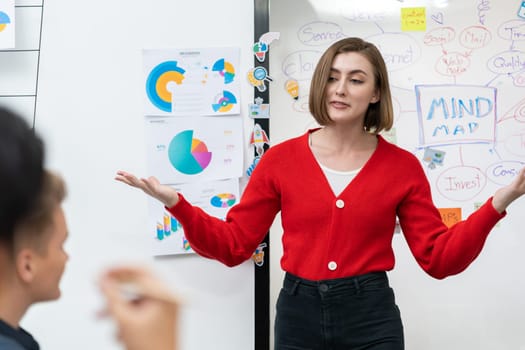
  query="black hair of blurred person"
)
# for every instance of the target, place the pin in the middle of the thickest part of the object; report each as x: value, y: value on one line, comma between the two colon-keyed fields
x: 21, y: 171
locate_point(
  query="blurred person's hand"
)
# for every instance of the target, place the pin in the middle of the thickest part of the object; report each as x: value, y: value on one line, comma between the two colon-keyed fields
x: 142, y: 306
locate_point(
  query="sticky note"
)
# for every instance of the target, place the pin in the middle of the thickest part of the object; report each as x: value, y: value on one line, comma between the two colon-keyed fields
x: 450, y: 216
x: 413, y: 19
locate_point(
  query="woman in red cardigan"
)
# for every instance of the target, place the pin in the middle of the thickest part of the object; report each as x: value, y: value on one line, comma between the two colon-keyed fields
x: 339, y: 189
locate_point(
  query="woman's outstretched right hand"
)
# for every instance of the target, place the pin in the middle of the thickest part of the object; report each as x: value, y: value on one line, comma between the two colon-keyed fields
x: 164, y: 193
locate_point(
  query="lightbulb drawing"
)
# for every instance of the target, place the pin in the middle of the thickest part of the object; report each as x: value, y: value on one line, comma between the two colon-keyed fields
x: 259, y: 49
x: 257, y: 77
x: 292, y: 87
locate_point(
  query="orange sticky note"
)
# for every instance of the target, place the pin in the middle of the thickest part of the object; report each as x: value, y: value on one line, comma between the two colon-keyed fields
x: 450, y: 216
x: 413, y: 19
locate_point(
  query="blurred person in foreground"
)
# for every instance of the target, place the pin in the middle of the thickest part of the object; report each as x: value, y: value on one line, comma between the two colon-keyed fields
x: 33, y: 231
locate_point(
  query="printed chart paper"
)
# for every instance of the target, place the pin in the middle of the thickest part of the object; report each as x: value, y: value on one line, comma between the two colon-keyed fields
x: 189, y: 150
x: 214, y: 197
x: 193, y: 82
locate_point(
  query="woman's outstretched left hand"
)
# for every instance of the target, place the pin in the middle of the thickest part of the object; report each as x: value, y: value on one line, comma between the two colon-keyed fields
x: 508, y: 194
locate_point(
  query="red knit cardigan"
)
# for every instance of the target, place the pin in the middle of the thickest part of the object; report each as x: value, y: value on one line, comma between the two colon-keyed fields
x: 327, y: 236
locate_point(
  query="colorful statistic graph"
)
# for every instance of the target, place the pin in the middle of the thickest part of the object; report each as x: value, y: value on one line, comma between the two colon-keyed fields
x: 224, y: 102
x: 4, y: 20
x: 225, y: 69
x: 160, y: 81
x: 168, y: 226
x: 223, y: 200
x: 187, y: 154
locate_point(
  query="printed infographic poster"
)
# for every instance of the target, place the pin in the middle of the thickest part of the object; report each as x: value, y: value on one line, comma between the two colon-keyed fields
x: 214, y: 197
x: 7, y: 24
x: 193, y: 82
x: 189, y: 150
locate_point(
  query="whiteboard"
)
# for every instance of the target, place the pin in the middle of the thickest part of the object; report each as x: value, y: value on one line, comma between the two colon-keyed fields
x: 457, y: 74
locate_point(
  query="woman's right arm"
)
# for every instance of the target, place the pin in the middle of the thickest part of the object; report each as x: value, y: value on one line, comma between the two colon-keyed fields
x: 234, y: 239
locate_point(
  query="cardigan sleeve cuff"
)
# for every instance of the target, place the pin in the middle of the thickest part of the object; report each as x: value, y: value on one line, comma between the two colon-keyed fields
x: 491, y: 212
x: 180, y: 208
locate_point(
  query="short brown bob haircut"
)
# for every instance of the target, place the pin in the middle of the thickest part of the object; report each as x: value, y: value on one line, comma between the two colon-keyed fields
x: 380, y: 115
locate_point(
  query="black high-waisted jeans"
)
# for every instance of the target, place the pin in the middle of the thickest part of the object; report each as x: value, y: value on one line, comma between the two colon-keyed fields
x: 354, y: 313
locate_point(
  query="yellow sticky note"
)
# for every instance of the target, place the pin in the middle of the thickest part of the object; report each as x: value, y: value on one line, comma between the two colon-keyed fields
x: 450, y: 216
x: 413, y: 19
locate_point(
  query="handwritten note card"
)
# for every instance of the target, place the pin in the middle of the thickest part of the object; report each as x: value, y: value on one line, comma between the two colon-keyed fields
x: 450, y: 216
x: 413, y: 19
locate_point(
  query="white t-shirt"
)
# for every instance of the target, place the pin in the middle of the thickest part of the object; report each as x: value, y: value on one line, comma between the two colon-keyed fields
x: 338, y: 180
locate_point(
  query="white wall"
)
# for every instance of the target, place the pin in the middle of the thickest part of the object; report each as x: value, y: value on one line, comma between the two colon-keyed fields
x: 90, y: 112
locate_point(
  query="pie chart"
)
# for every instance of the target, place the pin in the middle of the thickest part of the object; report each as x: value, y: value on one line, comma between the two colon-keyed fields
x: 187, y: 154
x: 225, y: 102
x: 223, y: 200
x: 225, y: 69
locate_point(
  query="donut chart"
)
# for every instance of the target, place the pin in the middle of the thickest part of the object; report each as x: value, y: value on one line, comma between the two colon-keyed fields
x: 223, y: 200
x: 225, y: 69
x: 225, y: 102
x: 4, y: 20
x: 187, y: 154
x: 157, y: 84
